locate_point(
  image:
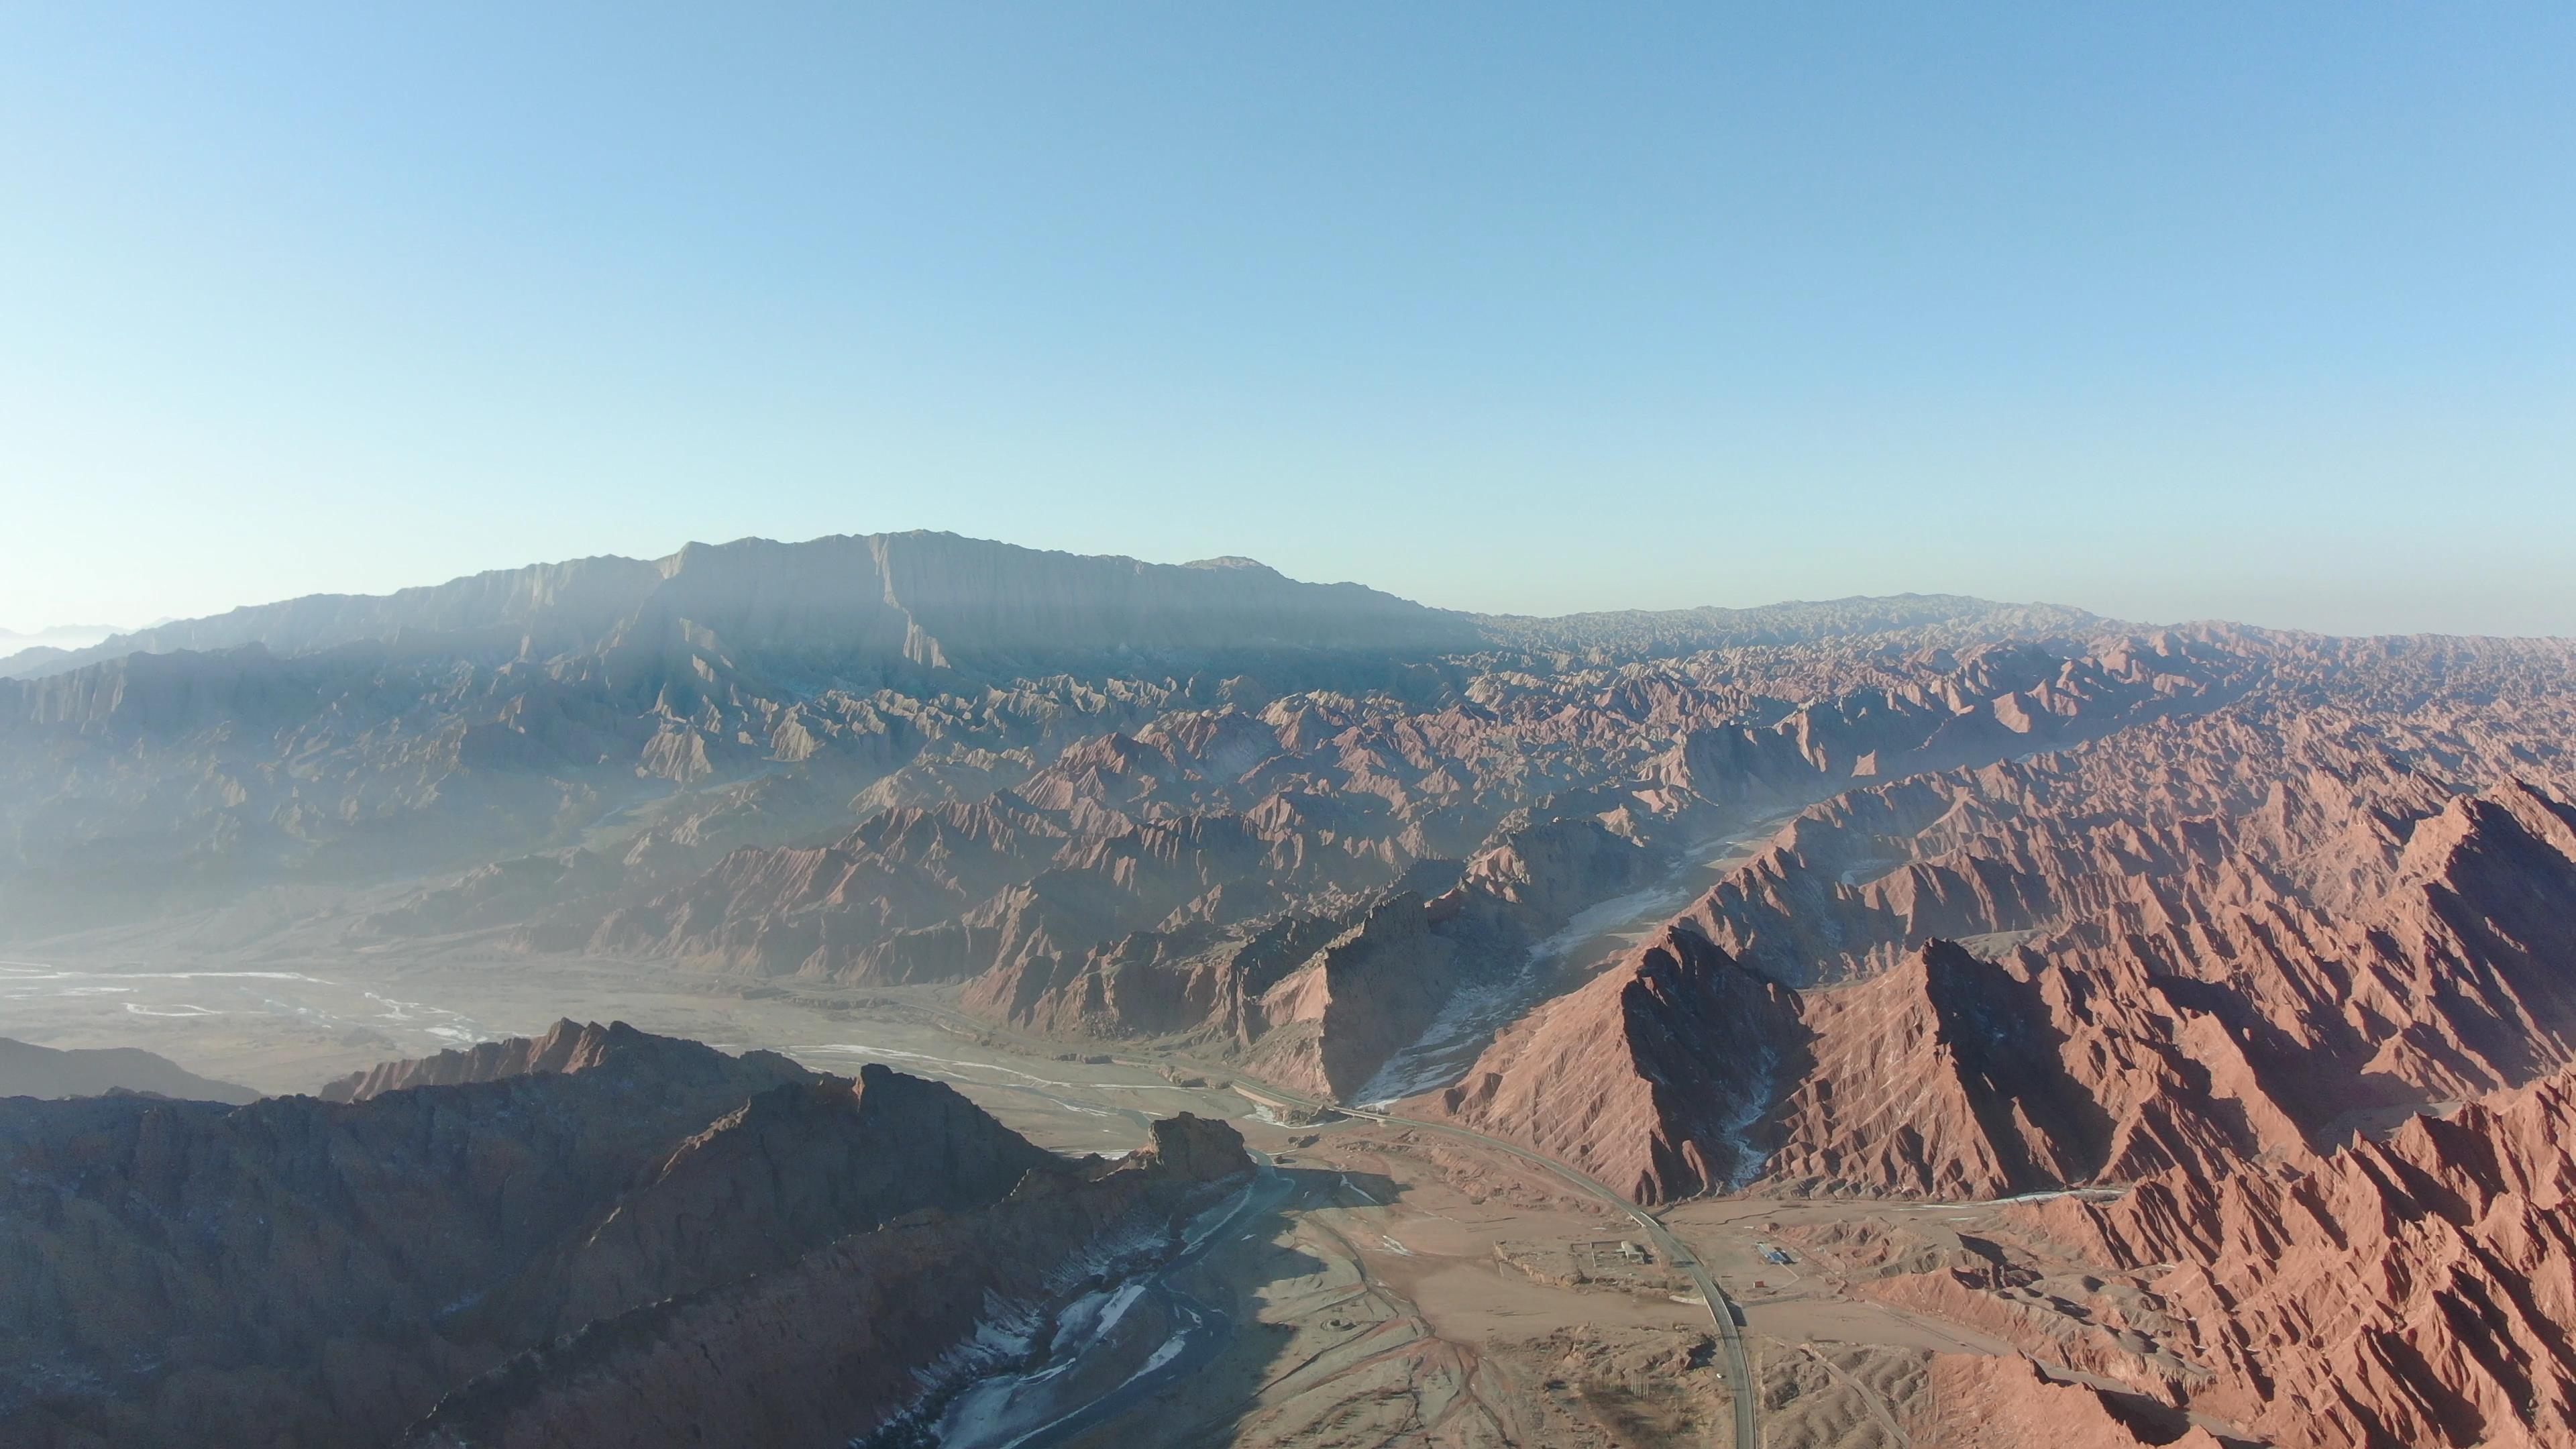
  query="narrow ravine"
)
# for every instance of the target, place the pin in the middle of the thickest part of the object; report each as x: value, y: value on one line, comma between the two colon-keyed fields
x: 1468, y: 1023
x: 1100, y: 1355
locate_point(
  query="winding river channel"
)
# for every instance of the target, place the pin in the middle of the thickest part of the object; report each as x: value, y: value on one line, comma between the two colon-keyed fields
x: 1034, y: 1378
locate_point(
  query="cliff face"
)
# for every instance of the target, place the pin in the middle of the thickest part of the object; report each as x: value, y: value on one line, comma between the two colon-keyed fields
x: 1664, y: 1103
x: 2200, y: 958
x: 2411, y: 1291
x: 320, y: 1272
x: 1167, y: 880
x: 1942, y: 1077
x: 2227, y: 1031
x: 1328, y: 1026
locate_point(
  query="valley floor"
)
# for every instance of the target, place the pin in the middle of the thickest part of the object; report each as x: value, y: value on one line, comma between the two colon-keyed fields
x: 1405, y: 1288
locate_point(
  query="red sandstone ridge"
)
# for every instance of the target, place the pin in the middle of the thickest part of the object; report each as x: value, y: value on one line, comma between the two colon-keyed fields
x: 1952, y: 1076
x: 1649, y: 1078
x: 2195, y: 943
x: 1677, y: 1072
x: 2415, y: 1291
x: 2063, y: 904
x: 1136, y: 881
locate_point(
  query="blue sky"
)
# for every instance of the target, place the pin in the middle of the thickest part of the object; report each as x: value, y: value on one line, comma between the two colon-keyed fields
x: 2171, y: 311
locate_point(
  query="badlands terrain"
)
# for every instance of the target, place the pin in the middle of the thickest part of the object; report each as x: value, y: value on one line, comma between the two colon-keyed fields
x: 908, y: 990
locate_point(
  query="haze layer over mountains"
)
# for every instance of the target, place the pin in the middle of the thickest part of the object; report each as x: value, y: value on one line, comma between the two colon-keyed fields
x: 2261, y: 941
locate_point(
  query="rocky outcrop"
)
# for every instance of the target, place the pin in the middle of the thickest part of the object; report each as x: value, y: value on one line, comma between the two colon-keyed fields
x: 1060, y: 964
x: 1951, y: 1076
x: 1191, y: 977
x: 28, y: 1070
x: 576, y: 753
x: 1943, y: 1078
x: 2408, y: 1291
x: 1329, y: 1025
x: 2058, y: 902
x: 303, y: 1271
x: 448, y: 728
x: 1538, y: 873
x: 2230, y: 1032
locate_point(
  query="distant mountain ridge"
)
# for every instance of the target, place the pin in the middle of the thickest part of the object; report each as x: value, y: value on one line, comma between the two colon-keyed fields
x: 1645, y: 633
x: 944, y: 602
x: 780, y: 693
x: 934, y: 600
x: 52, y: 641
x: 28, y: 1070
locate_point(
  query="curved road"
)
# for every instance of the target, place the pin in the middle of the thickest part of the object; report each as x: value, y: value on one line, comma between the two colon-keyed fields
x: 1730, y: 1329
x: 1721, y: 1309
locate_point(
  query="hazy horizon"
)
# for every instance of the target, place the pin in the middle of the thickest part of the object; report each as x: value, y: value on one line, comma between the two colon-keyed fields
x: 2183, y: 313
x: 74, y: 636
x: 1736, y: 881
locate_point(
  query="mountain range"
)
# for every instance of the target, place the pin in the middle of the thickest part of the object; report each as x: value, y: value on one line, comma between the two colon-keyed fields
x: 2244, y: 955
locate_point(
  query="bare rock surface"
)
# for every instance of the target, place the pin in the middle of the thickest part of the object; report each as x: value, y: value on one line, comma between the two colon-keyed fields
x: 2198, y: 942
x: 2413, y: 1290
x: 1653, y: 1108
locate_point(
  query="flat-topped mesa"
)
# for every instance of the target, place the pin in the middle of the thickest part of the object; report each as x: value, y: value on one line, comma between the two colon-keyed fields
x: 567, y: 1046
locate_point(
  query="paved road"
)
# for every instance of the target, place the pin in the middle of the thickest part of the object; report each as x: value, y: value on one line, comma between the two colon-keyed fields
x: 1722, y: 1309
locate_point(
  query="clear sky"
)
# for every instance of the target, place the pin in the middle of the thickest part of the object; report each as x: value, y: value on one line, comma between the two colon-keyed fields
x: 2167, y: 310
